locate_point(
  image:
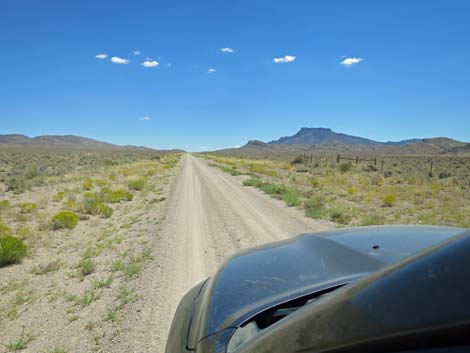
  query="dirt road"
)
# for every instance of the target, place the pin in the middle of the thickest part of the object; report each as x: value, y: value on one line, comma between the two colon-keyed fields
x: 210, y: 216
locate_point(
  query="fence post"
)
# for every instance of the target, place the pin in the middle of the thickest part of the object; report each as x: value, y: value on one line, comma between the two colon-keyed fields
x: 338, y: 157
x: 311, y: 159
x: 357, y: 160
x: 382, y: 165
x: 430, y: 171
x: 375, y: 161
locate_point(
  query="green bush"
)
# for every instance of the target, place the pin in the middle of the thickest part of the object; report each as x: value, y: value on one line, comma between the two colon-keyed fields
x: 4, y: 205
x: 104, y: 211
x: 253, y: 182
x: 64, y: 219
x: 93, y: 204
x: 372, y: 220
x: 136, y: 184
x: 298, y: 160
x: 314, y: 207
x: 86, y: 267
x: 28, y: 207
x: 292, y: 197
x: 389, y: 200
x: 88, y: 184
x: 340, y: 214
x: 59, y: 196
x: 345, y: 167
x: 5, y: 231
x: 118, y: 196
x: 12, y: 250
x: 274, y: 189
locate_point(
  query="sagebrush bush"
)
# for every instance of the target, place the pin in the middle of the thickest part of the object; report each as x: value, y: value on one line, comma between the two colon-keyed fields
x: 5, y: 231
x: 88, y: 184
x: 389, y: 200
x: 253, y: 182
x: 345, y: 167
x: 64, y: 219
x: 104, y: 211
x: 24, y: 232
x: 136, y: 184
x: 12, y: 250
x: 58, y: 196
x: 4, y: 205
x: 117, y: 196
x: 298, y: 160
x: 292, y: 197
x: 28, y: 207
x: 86, y: 267
x: 314, y: 207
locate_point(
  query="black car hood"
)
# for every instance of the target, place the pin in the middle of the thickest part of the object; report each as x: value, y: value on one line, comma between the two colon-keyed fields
x: 259, y: 278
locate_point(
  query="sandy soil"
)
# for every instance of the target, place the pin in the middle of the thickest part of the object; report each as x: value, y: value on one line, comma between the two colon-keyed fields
x: 210, y: 215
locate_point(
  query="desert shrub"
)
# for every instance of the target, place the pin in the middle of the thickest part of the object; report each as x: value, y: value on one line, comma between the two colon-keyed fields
x: 253, y: 182
x: 340, y: 214
x: 444, y: 175
x: 345, y: 167
x: 372, y: 220
x: 315, y: 183
x: 64, y: 219
x: 5, y: 231
x: 17, y: 184
x: 292, y: 197
x: 4, y: 205
x: 298, y: 160
x: 376, y: 180
x: 104, y: 211
x: 58, y: 196
x: 94, y: 204
x: 101, y: 182
x: 313, y: 207
x: 389, y: 200
x: 274, y: 189
x: 88, y: 184
x: 12, y: 250
x: 24, y: 232
x: 387, y: 173
x: 28, y: 207
x: 70, y: 204
x: 118, y: 196
x: 136, y: 184
x: 86, y: 267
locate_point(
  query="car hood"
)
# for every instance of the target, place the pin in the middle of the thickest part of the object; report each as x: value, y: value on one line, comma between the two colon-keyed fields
x: 257, y: 279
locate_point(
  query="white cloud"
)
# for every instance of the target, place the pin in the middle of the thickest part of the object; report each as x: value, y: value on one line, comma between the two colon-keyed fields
x: 146, y: 118
x: 169, y: 65
x: 118, y: 60
x: 150, y: 63
x: 211, y: 70
x: 285, y: 59
x: 348, y: 62
x: 236, y: 146
x: 136, y: 52
x: 101, y: 56
x: 227, y: 50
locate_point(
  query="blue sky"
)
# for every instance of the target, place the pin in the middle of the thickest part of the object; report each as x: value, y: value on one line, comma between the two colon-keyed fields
x: 408, y: 73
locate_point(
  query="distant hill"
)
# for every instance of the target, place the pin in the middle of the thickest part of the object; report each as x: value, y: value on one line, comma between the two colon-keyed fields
x: 314, y: 136
x: 62, y: 141
x: 326, y: 141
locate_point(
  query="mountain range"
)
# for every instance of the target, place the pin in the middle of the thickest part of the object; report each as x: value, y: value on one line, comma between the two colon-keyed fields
x: 62, y: 141
x: 313, y: 136
x: 325, y: 140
